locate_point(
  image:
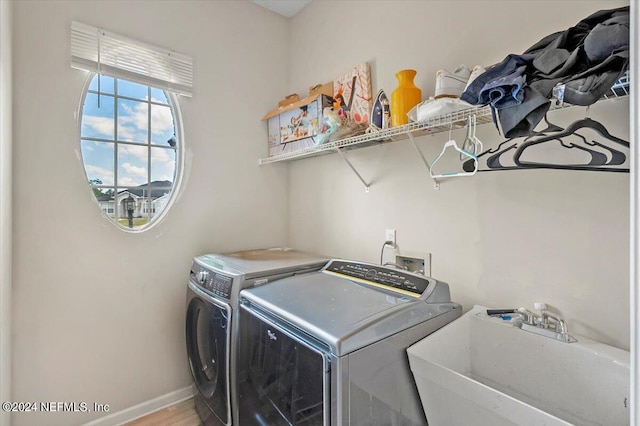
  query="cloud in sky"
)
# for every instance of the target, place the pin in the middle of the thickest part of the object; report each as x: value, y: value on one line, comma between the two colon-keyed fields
x: 132, y: 126
x: 95, y: 172
x: 134, y: 122
x: 103, y: 126
x: 133, y: 160
x: 161, y: 120
x: 133, y: 175
x: 138, y: 152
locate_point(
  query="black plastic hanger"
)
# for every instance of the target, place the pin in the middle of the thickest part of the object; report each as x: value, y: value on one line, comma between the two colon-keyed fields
x: 617, y: 157
x: 493, y: 162
x: 596, y: 167
x: 580, y: 124
x: 469, y: 165
x: 571, y: 130
x: 597, y: 158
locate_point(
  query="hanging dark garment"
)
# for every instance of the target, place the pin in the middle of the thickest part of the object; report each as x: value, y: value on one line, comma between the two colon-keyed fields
x: 587, y: 59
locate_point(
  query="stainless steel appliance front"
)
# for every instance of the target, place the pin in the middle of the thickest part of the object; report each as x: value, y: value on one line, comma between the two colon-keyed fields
x: 329, y: 347
x: 211, y: 326
x: 290, y: 376
x: 208, y: 350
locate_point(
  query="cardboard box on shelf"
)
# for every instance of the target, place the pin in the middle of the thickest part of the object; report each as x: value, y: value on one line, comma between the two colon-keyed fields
x: 322, y: 89
x: 294, y: 127
x: 288, y: 100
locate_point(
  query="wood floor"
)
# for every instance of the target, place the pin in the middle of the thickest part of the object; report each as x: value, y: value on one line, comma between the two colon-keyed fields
x: 181, y: 414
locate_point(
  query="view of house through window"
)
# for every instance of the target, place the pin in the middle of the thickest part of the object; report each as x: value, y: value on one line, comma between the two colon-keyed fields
x: 129, y: 149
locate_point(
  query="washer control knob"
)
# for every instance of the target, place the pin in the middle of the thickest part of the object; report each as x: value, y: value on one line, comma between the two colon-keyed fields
x: 203, y: 276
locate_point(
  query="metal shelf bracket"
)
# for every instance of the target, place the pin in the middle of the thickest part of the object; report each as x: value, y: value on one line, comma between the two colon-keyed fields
x: 436, y: 183
x: 346, y: 160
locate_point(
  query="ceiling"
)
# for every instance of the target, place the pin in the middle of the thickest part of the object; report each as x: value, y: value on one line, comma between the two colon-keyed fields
x: 286, y: 8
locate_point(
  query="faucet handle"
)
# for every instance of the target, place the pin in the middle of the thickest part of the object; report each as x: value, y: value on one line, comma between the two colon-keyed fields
x: 540, y: 306
x: 527, y: 316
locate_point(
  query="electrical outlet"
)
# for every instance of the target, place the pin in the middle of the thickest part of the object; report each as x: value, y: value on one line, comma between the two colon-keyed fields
x: 390, y: 235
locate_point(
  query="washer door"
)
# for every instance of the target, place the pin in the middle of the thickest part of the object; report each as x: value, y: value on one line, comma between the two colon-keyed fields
x: 208, y: 337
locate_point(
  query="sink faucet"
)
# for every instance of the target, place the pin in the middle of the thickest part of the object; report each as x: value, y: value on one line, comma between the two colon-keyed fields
x: 561, y: 326
x: 540, y: 324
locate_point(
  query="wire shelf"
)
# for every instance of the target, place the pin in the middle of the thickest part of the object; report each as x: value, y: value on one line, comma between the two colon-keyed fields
x: 431, y: 126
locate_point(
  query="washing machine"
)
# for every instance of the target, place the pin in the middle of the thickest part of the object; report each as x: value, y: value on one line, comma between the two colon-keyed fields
x: 211, y: 326
x: 329, y: 347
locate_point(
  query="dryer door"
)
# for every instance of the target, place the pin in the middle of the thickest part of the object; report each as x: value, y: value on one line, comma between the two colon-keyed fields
x: 208, y: 339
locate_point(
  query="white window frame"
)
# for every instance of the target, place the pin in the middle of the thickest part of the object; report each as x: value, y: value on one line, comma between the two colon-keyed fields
x: 154, y: 220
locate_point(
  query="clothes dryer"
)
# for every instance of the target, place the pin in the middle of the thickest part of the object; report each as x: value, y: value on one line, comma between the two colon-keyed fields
x: 329, y: 347
x: 211, y: 329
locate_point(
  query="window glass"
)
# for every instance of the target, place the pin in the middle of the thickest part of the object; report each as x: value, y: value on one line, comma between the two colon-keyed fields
x: 107, y: 84
x: 132, y: 167
x: 163, y: 164
x: 97, y: 120
x: 128, y: 89
x: 98, y: 161
x: 133, y: 121
x: 158, y: 96
x: 133, y: 161
x: 161, y: 124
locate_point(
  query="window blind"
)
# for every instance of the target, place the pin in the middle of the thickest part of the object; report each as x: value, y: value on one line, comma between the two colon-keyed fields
x: 96, y: 50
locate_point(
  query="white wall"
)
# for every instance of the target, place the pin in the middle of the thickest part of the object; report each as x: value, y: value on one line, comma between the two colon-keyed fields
x: 503, y: 239
x: 99, y: 313
x: 5, y: 206
x: 634, y: 70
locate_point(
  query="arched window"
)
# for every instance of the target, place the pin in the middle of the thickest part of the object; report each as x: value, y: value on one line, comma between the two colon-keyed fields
x: 131, y: 150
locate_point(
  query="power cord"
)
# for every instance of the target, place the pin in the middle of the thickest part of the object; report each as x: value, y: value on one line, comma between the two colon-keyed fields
x: 386, y: 243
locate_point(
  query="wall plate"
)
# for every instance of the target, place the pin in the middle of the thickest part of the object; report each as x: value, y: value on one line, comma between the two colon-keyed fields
x: 419, y: 262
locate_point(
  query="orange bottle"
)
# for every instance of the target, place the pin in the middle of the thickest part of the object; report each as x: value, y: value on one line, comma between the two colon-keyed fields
x: 406, y: 96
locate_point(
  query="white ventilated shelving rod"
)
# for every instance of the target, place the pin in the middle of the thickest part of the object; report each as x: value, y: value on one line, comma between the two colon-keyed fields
x: 432, y: 126
x: 427, y: 127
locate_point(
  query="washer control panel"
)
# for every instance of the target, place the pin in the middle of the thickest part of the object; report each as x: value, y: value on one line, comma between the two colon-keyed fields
x: 381, y: 276
x: 210, y: 281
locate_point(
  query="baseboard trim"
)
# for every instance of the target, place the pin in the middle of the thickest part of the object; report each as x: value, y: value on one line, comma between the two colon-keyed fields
x: 144, y: 408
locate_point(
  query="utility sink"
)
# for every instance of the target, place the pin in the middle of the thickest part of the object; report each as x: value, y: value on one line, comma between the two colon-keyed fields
x: 482, y: 370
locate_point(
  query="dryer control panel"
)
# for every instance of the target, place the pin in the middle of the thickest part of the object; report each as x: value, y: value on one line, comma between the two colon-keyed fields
x: 380, y: 276
x: 210, y: 281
